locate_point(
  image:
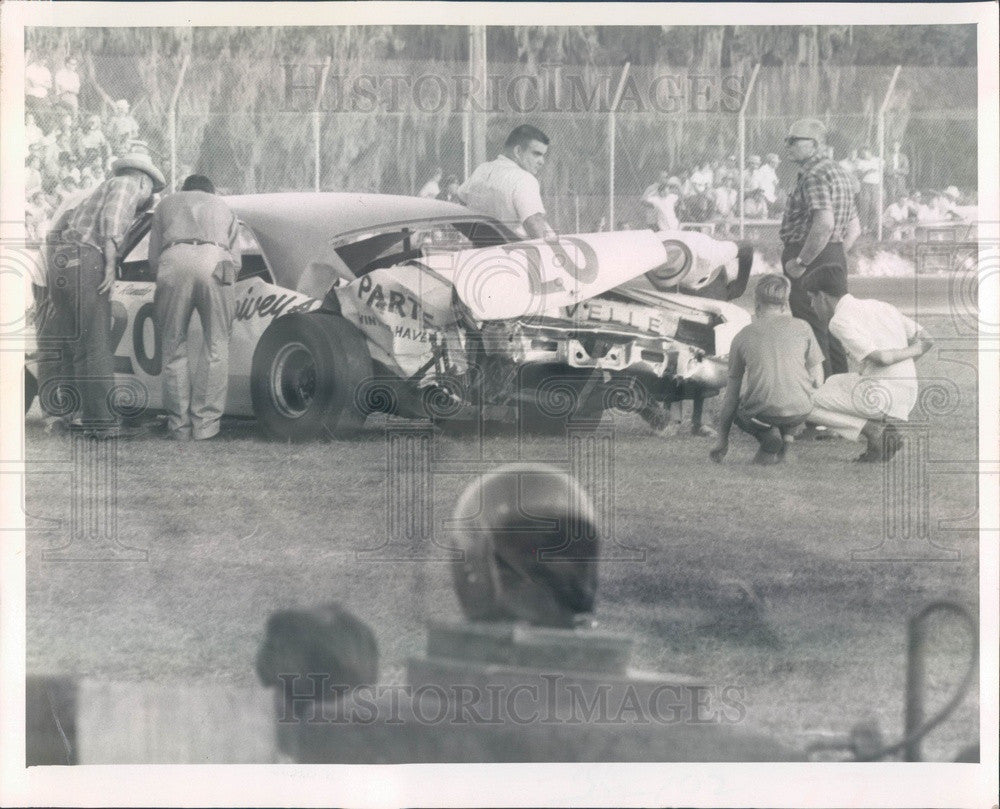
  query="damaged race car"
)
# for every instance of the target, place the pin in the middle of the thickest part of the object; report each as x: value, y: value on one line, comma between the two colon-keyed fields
x: 352, y: 304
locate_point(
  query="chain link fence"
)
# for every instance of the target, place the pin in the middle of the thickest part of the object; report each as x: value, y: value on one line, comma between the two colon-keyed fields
x: 387, y: 126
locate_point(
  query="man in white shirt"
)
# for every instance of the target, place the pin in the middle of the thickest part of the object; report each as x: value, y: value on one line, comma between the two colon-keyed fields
x: 869, y: 167
x: 701, y: 178
x: 724, y: 198
x: 432, y: 187
x: 884, y: 343
x: 765, y: 178
x: 37, y: 85
x: 507, y: 188
x: 651, y: 190
x: 662, y: 201
x: 897, y: 217
x: 753, y: 164
x: 32, y: 131
x: 67, y: 85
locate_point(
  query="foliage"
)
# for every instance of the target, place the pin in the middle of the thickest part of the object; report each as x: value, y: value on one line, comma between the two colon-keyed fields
x: 235, y: 122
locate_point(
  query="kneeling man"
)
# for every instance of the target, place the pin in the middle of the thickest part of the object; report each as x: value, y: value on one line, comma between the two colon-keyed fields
x: 884, y: 343
x: 782, y: 364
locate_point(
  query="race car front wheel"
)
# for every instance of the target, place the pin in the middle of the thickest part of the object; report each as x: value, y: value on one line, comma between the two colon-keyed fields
x: 306, y: 370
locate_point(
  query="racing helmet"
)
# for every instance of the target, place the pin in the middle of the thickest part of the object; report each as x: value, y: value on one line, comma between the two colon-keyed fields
x: 529, y: 546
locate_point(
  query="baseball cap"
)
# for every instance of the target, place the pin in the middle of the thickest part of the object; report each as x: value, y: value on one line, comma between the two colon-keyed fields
x: 809, y: 128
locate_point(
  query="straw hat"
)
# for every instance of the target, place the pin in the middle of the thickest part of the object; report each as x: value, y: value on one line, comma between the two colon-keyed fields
x: 138, y: 159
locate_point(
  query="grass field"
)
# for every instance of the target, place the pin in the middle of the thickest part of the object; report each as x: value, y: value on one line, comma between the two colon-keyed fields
x: 237, y: 527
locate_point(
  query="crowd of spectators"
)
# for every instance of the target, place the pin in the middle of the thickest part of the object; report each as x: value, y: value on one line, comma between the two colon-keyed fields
x: 69, y: 150
x: 709, y: 192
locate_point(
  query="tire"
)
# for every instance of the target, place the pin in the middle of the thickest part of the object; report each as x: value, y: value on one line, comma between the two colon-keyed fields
x: 30, y: 389
x: 306, y: 371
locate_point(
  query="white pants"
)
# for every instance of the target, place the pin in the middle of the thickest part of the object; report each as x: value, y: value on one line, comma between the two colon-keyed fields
x: 846, y: 401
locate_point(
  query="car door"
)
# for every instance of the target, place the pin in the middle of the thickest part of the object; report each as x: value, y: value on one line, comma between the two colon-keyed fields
x: 135, y: 334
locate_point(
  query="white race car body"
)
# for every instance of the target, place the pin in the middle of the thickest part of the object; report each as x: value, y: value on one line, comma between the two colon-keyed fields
x: 417, y: 277
x: 136, y: 338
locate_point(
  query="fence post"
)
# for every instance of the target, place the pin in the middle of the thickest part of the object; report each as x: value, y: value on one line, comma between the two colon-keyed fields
x: 172, y: 135
x: 479, y: 73
x: 611, y: 146
x: 881, y: 147
x: 742, y: 129
x: 172, y: 120
x: 317, y: 161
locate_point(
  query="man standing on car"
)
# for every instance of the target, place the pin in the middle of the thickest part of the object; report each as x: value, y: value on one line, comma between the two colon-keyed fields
x: 82, y: 257
x: 507, y: 188
x: 820, y: 225
x: 192, y: 242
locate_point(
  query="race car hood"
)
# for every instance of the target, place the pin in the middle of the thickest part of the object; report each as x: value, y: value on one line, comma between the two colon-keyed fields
x: 540, y: 276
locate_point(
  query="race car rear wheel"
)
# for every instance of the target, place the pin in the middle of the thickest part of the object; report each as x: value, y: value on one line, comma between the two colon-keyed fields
x: 306, y: 370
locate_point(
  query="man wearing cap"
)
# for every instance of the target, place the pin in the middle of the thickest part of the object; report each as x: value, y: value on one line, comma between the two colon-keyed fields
x: 507, y: 188
x: 775, y: 364
x: 82, y: 258
x: 884, y: 343
x: 819, y: 226
x: 192, y: 254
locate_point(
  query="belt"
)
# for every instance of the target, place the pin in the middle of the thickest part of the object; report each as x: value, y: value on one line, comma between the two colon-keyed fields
x: 168, y: 245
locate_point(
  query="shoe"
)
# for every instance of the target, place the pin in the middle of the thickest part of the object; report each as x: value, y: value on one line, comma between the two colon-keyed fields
x: 763, y: 458
x: 57, y: 425
x: 892, y: 442
x: 883, y: 448
x: 655, y: 416
x: 771, y: 442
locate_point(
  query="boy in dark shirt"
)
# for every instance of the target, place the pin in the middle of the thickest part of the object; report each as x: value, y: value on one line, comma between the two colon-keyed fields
x: 777, y: 363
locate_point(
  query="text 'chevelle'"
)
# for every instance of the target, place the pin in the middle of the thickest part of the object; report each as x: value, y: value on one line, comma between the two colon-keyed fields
x: 350, y: 304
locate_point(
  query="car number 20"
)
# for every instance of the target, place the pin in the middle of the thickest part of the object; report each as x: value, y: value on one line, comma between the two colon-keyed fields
x: 148, y: 353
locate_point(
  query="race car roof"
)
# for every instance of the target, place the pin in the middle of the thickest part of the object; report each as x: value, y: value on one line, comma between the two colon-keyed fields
x: 295, y: 228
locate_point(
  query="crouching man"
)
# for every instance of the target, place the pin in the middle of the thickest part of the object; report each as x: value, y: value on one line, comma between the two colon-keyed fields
x: 884, y: 343
x: 778, y: 364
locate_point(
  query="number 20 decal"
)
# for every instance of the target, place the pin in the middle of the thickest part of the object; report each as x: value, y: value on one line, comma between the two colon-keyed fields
x: 151, y: 365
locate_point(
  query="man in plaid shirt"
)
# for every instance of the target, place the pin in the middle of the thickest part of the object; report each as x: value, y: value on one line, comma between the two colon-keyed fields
x: 819, y: 226
x: 76, y: 367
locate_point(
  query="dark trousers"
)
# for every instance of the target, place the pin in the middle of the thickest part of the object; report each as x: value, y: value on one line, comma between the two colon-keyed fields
x: 75, y: 365
x: 832, y: 261
x: 760, y: 426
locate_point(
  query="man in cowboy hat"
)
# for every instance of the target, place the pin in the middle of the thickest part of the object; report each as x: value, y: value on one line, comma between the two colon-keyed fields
x: 192, y: 253
x: 78, y: 370
x: 819, y: 226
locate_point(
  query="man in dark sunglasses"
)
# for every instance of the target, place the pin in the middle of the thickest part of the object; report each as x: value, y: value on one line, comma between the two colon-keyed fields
x: 820, y: 225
